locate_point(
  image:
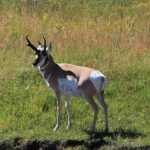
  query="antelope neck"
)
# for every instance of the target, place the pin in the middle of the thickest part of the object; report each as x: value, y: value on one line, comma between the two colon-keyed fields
x: 45, y: 64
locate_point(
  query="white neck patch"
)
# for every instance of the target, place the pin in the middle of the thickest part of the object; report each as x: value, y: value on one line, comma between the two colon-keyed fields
x: 40, y: 48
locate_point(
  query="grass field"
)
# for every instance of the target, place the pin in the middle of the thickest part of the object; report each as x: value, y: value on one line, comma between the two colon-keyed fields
x: 113, y: 37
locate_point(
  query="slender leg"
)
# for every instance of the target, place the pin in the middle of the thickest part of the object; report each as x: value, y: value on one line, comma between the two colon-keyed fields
x: 105, y: 107
x: 95, y: 109
x: 58, y: 108
x: 68, y: 107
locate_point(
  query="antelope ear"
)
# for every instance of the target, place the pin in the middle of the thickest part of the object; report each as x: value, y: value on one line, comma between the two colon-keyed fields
x: 49, y: 47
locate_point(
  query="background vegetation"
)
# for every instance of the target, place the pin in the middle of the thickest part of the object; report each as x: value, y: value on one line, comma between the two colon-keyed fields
x: 112, y: 36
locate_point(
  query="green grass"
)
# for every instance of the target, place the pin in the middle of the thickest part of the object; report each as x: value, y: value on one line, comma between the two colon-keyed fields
x: 112, y: 37
x: 127, y: 94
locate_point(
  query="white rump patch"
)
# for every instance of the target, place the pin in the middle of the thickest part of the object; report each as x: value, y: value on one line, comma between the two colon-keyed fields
x: 69, y: 86
x: 98, y: 79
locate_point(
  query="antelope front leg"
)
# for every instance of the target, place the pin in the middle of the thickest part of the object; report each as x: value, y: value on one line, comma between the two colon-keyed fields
x: 68, y: 107
x: 58, y: 109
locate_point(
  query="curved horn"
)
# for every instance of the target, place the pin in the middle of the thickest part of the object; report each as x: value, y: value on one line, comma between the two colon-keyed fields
x: 30, y: 44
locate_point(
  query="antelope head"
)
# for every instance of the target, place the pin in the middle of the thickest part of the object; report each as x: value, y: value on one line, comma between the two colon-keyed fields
x: 41, y: 51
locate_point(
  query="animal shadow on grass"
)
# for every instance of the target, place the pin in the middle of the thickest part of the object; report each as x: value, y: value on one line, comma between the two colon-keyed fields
x: 124, y: 133
x: 97, y: 139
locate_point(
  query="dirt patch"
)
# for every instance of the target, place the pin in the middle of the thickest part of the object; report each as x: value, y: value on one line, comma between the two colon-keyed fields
x: 95, y: 141
x: 20, y: 144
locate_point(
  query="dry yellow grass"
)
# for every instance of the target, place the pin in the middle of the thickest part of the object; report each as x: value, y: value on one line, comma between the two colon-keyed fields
x: 124, y: 33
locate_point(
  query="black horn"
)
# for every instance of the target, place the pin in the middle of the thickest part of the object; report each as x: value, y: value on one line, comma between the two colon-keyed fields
x: 44, y: 43
x: 30, y: 44
x: 40, y: 43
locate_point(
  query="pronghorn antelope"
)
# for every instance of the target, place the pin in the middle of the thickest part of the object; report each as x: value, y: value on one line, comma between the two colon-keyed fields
x: 70, y: 80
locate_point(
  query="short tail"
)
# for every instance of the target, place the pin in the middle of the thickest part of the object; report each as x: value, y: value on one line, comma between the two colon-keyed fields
x: 104, y: 83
